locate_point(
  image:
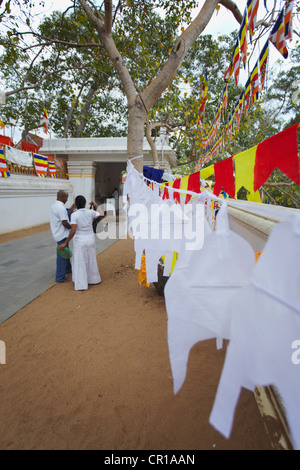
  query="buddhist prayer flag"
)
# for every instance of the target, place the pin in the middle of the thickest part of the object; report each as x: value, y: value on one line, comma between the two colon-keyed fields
x: 288, y: 28
x: 254, y: 80
x: 239, y: 111
x: 4, y: 173
x: 263, y: 60
x: 277, y: 36
x: 225, y: 97
x: 207, y: 172
x: 230, y: 127
x: 166, y: 192
x: 247, y: 96
x: 224, y: 177
x: 176, y: 185
x: 252, y: 7
x: 234, y: 66
x: 45, y: 120
x: 52, y: 169
x: 236, y: 62
x: 228, y: 72
x: 253, y: 167
x: 193, y: 185
x: 41, y: 165
x: 243, y: 39
x: 58, y: 163
x: 244, y: 163
x: 279, y: 151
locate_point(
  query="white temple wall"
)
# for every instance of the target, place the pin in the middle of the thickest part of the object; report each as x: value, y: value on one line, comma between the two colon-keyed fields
x: 25, y: 201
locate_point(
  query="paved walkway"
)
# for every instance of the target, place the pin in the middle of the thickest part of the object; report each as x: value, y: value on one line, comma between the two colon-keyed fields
x: 27, y: 269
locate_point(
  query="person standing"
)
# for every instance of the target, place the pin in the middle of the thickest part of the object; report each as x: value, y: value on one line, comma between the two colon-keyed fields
x: 60, y: 229
x: 84, y: 262
x: 115, y: 193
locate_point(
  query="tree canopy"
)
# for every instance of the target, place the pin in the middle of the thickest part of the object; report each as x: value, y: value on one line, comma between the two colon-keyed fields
x: 131, y: 68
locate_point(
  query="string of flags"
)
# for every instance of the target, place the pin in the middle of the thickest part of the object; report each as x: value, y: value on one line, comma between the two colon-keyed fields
x: 215, y: 139
x: 203, y: 100
x: 249, y: 169
x: 41, y: 163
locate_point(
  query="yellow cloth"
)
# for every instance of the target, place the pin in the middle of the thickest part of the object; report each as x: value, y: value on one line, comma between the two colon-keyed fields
x: 207, y: 172
x: 142, y: 274
x: 244, y: 173
x: 174, y: 260
x: 184, y: 185
x: 254, y: 197
x: 257, y: 255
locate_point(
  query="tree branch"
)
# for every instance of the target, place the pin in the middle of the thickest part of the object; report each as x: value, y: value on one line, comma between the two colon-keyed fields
x: 269, y: 196
x: 181, y: 45
x: 113, y: 53
x: 151, y: 142
x: 233, y: 8
x: 50, y: 41
x: 108, y: 16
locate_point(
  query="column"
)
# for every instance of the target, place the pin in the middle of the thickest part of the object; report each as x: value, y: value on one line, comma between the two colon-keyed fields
x: 82, y: 176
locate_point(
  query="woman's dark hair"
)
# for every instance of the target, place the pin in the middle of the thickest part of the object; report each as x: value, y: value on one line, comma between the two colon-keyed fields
x: 80, y: 202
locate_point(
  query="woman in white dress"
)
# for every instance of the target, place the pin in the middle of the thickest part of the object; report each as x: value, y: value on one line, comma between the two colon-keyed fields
x: 84, y: 263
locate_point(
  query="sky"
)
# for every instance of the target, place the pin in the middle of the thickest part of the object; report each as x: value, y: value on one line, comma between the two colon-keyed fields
x: 223, y: 22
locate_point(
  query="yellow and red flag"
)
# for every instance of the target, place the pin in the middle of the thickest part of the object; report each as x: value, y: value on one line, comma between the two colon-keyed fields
x: 45, y: 120
x: 288, y: 29
x: 252, y: 7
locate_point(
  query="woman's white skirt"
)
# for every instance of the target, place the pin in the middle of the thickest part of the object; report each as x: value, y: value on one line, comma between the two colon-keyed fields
x: 84, y: 262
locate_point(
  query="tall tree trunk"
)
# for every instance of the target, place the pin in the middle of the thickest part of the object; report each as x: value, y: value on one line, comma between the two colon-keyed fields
x: 135, y: 136
x: 139, y: 105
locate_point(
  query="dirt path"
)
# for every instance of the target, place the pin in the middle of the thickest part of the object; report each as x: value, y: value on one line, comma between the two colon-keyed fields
x: 90, y: 370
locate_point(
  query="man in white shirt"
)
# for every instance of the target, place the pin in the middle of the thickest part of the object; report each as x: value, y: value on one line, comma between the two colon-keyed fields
x: 60, y: 227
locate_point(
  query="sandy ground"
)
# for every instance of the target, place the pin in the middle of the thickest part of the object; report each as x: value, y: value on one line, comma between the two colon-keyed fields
x: 90, y: 370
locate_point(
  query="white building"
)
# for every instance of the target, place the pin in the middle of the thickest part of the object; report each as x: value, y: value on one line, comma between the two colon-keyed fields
x: 94, y: 167
x: 95, y: 164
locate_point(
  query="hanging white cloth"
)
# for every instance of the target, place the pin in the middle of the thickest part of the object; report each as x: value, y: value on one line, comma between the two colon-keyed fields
x: 265, y: 331
x: 200, y: 289
x: 19, y: 157
x: 158, y: 226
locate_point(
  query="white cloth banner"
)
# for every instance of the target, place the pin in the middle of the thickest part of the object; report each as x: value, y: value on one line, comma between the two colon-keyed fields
x: 160, y: 227
x: 18, y: 156
x: 264, y: 344
x: 200, y: 290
